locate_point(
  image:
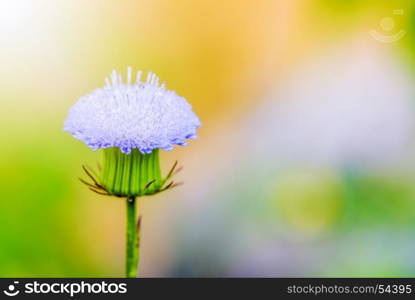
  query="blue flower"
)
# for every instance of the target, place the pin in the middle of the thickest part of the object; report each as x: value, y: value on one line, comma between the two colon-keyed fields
x: 140, y: 115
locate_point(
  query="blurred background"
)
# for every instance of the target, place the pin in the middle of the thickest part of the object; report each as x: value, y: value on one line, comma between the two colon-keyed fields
x: 304, y: 163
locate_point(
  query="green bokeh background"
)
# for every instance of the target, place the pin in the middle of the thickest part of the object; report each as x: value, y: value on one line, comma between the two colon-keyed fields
x: 223, y: 56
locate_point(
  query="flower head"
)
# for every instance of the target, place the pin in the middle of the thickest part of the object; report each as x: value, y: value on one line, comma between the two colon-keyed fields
x: 141, y: 115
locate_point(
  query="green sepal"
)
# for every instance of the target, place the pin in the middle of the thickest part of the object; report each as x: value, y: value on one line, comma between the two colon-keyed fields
x: 129, y: 175
x: 133, y: 174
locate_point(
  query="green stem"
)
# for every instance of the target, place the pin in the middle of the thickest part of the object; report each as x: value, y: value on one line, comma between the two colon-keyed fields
x: 133, y: 239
